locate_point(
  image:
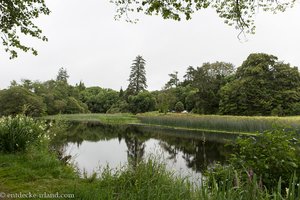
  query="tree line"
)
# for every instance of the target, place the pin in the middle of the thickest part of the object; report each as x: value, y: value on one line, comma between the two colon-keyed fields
x: 262, y: 85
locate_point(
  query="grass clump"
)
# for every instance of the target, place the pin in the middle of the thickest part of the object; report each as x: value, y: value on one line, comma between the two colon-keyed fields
x: 19, y: 132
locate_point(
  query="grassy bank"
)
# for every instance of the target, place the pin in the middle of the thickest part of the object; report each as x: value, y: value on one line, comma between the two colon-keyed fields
x: 238, y: 124
x: 122, y: 118
x: 40, y: 172
x: 212, y: 123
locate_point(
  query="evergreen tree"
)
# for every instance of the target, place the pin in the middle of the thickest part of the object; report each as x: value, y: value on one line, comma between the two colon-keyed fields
x: 62, y: 75
x: 174, y: 81
x: 80, y: 86
x: 189, y: 76
x: 137, y: 77
x: 121, y: 93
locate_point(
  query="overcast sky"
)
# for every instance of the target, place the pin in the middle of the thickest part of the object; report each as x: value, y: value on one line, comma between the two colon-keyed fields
x: 85, y: 39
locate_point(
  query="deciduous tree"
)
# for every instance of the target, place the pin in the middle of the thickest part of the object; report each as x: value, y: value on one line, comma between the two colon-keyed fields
x: 262, y: 86
x: 236, y: 13
x: 17, y: 100
x: 17, y: 18
x: 208, y: 79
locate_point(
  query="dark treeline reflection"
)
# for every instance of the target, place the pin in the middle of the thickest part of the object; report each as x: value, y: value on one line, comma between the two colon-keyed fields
x: 197, y: 152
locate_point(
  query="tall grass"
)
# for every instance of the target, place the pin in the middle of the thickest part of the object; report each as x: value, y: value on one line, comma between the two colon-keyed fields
x: 230, y: 187
x: 151, y: 180
x: 221, y: 123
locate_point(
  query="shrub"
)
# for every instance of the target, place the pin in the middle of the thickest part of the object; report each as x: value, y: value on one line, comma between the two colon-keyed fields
x: 18, y: 133
x: 271, y: 155
x: 142, y: 102
x: 179, y: 107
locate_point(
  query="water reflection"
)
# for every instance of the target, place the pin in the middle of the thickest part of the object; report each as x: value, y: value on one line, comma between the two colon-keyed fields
x: 93, y: 145
x: 135, y: 148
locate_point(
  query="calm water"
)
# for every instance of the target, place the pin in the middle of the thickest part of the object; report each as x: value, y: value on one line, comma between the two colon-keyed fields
x: 94, y: 146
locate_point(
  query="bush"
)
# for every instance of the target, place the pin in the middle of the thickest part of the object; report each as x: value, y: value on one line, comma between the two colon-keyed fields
x: 179, y: 107
x: 271, y: 155
x: 18, y: 133
x: 120, y: 106
x: 142, y: 102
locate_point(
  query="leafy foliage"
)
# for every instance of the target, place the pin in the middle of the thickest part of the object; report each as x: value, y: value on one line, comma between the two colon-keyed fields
x: 162, y: 102
x: 17, y: 16
x: 121, y: 106
x: 208, y: 79
x: 19, y: 132
x: 240, y: 14
x: 262, y: 86
x: 271, y: 155
x: 99, y: 100
x: 16, y: 100
x: 143, y: 102
x: 179, y: 107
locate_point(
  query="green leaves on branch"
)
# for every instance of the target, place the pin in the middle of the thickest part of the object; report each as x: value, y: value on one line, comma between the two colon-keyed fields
x: 16, y: 18
x: 238, y: 13
x: 271, y: 155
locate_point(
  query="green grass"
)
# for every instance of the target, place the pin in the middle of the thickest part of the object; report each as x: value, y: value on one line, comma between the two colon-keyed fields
x: 35, y: 171
x: 213, y: 123
x: 38, y: 172
x: 122, y: 118
x: 237, y: 124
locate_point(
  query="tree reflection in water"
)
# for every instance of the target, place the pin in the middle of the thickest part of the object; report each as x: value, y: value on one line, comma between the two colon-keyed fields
x: 135, y: 142
x: 197, y: 153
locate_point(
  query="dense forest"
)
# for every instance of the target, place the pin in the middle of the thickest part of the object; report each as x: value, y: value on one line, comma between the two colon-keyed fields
x: 262, y: 85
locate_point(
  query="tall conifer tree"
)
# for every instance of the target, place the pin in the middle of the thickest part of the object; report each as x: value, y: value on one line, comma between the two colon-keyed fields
x: 137, y: 78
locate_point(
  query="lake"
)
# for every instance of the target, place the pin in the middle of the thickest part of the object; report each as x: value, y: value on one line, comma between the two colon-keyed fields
x: 93, y: 146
